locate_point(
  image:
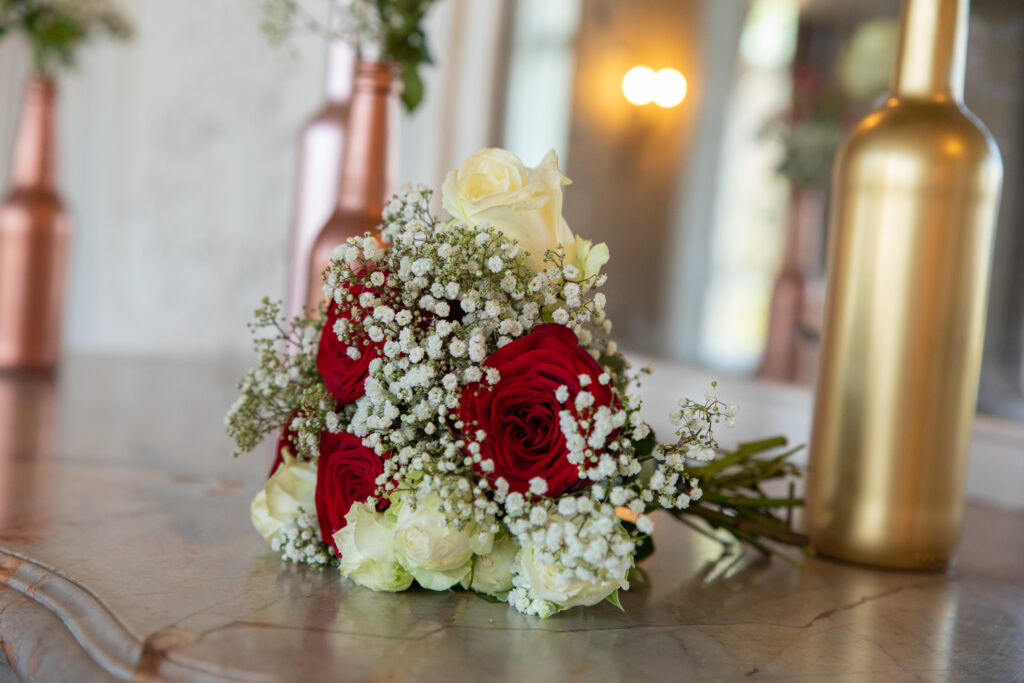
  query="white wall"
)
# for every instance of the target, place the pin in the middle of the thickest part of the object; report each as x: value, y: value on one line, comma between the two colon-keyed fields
x: 178, y: 156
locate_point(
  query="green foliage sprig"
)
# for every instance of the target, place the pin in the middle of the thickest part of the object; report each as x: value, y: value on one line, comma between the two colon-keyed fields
x: 735, y: 500
x: 405, y: 42
x: 389, y: 29
x: 55, y: 29
x: 732, y: 485
x: 283, y: 384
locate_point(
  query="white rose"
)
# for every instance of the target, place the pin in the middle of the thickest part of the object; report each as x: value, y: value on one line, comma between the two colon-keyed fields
x: 436, y: 553
x: 291, y: 487
x: 492, y: 573
x: 547, y: 582
x: 493, y: 186
x: 588, y: 257
x: 369, y: 555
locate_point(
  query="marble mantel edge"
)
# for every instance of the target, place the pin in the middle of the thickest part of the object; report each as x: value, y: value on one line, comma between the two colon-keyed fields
x: 50, y: 620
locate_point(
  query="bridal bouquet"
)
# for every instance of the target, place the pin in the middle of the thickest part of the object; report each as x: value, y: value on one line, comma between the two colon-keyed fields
x: 457, y: 413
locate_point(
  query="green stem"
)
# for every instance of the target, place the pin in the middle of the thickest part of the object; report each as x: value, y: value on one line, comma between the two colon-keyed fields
x: 739, y: 501
x: 744, y: 452
x: 701, y: 530
x: 778, y: 532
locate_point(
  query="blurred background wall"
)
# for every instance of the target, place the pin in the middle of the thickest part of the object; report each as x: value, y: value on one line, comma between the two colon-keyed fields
x: 178, y: 156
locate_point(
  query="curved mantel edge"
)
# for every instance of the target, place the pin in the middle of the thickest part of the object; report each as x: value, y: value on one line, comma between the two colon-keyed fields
x: 43, y: 611
x: 35, y: 646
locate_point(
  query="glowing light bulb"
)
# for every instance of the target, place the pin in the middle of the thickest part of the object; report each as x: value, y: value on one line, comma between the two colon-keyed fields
x: 669, y: 88
x: 666, y: 88
x: 638, y: 85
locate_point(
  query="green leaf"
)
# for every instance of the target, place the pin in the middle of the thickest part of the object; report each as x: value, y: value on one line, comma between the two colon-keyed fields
x: 758, y: 471
x: 645, y: 446
x: 412, y: 87
x: 741, y: 501
x: 616, y: 363
x: 614, y: 599
x: 636, y: 576
x: 745, y: 451
x: 645, y: 548
x: 485, y: 596
x: 54, y: 31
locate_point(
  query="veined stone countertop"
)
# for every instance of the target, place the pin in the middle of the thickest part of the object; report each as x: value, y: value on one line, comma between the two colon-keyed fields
x: 126, y: 553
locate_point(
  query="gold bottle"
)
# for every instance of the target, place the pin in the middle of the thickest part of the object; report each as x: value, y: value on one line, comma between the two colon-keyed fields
x: 915, y: 197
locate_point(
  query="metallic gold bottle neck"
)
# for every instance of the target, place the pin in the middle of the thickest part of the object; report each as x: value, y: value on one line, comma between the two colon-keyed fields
x: 933, y: 46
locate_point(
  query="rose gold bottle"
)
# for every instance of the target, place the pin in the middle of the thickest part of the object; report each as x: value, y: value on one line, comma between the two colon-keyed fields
x: 793, y: 297
x: 33, y: 241
x: 323, y: 144
x: 369, y: 166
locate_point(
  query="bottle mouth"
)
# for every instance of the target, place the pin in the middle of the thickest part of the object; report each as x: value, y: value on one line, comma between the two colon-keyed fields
x: 378, y: 75
x: 44, y: 85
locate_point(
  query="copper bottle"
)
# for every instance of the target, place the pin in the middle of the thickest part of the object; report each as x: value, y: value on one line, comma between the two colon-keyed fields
x: 793, y: 298
x: 916, y: 190
x: 33, y: 241
x: 322, y: 147
x: 368, y: 170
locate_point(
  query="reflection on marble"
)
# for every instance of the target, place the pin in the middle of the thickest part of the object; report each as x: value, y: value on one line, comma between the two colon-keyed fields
x: 126, y: 552
x: 27, y: 420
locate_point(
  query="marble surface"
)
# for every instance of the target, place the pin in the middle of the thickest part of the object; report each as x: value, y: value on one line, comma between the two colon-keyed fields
x: 126, y: 553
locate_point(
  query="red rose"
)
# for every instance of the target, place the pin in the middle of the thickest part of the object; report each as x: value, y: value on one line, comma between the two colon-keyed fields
x: 346, y: 473
x: 343, y: 376
x: 520, y: 413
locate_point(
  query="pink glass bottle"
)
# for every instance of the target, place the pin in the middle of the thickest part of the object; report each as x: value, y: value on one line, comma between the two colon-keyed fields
x: 323, y: 143
x: 369, y: 166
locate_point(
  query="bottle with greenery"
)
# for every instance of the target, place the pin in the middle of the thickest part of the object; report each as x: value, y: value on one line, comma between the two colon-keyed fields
x: 55, y: 29
x: 34, y: 226
x: 379, y: 29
